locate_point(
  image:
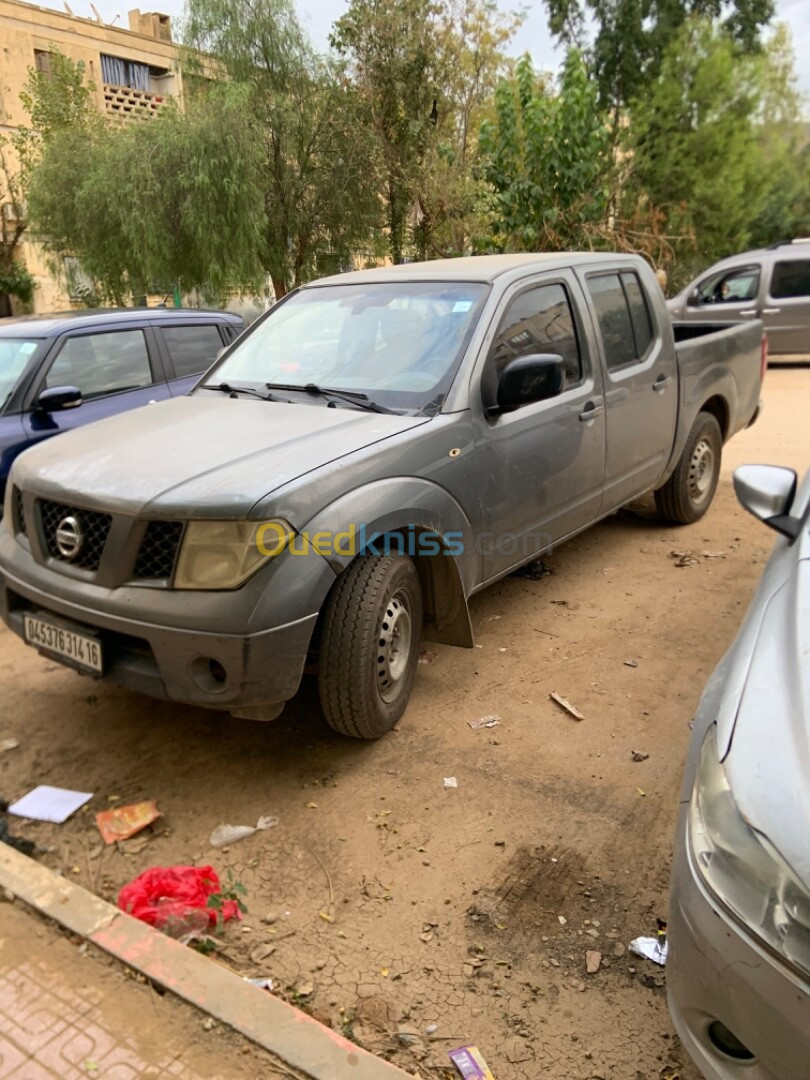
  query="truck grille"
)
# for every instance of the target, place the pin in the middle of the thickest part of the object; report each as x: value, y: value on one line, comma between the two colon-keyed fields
x: 158, y: 551
x: 94, y: 526
x: 19, y: 513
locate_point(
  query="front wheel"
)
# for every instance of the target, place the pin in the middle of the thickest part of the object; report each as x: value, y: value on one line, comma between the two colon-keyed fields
x: 369, y: 645
x: 688, y: 493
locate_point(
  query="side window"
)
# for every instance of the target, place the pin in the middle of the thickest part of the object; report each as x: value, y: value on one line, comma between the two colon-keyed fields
x: 192, y: 348
x: 539, y: 320
x: 739, y: 285
x: 102, y: 364
x: 639, y: 312
x: 613, y: 315
x: 791, y: 279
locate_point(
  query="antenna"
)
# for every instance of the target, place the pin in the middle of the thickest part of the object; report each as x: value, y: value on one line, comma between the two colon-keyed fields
x: 95, y: 12
x: 66, y: 6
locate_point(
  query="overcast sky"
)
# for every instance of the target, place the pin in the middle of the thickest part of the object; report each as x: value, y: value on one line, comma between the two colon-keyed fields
x: 533, y: 37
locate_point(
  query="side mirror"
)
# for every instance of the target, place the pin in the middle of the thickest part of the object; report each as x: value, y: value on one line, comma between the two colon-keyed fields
x: 693, y: 300
x: 527, y: 379
x: 767, y: 492
x: 57, y: 398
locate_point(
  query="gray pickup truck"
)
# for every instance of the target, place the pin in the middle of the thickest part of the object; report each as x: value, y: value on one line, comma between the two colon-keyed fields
x: 376, y: 449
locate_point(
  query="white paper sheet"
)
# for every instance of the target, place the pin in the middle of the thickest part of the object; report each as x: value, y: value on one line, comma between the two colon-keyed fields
x: 47, y: 803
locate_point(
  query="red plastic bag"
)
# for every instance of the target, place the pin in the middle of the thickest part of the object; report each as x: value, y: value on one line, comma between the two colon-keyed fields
x: 174, y: 899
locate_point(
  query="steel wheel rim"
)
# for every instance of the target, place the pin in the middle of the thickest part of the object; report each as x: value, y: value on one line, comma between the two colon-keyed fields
x: 701, y: 471
x: 394, y: 645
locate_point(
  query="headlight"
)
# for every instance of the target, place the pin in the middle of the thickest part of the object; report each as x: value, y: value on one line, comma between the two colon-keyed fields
x: 743, y: 869
x: 224, y: 554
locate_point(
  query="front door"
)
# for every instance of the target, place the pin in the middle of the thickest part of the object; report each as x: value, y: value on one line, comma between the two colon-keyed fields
x: 641, y: 385
x: 786, y: 313
x: 113, y: 371
x: 730, y: 295
x: 540, y: 468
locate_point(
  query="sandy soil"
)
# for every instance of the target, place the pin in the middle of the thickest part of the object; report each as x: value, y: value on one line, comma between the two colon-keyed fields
x: 408, y: 913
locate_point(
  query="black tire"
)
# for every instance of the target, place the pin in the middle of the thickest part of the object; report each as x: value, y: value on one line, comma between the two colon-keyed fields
x: 688, y: 493
x: 369, y: 645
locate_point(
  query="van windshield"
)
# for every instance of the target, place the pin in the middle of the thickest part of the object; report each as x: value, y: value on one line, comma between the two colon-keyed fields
x: 15, y: 355
x: 397, y: 343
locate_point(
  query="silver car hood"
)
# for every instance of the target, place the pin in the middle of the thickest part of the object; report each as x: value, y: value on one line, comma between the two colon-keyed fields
x: 768, y: 766
x: 214, y: 456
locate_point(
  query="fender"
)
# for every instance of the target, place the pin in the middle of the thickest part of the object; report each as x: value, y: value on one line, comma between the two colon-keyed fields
x: 714, y: 384
x: 430, y: 525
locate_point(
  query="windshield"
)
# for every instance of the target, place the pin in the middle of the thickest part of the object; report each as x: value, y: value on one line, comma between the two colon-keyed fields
x: 399, y: 344
x: 15, y: 354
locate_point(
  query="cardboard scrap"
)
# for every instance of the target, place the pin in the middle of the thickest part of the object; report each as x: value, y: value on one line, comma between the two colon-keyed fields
x: 489, y: 721
x: 564, y: 703
x: 124, y: 821
x: 470, y: 1063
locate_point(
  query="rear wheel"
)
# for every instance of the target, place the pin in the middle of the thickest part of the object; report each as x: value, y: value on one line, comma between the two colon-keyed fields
x: 370, y: 645
x: 688, y: 493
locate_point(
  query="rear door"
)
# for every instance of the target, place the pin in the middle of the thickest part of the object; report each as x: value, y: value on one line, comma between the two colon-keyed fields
x: 641, y: 388
x: 540, y: 467
x: 189, y: 349
x: 786, y: 313
x: 116, y: 370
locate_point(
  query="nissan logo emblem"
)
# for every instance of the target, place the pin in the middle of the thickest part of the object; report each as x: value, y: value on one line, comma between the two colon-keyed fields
x: 69, y: 537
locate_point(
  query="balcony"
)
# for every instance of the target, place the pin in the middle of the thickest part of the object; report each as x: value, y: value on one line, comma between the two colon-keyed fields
x: 126, y: 103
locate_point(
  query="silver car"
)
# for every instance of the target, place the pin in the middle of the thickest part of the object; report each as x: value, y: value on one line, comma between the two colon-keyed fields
x: 738, y: 974
x: 772, y: 284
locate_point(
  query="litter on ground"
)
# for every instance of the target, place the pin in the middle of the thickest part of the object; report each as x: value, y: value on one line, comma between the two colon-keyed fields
x: 564, y: 703
x: 125, y: 821
x: 46, y: 803
x: 229, y: 834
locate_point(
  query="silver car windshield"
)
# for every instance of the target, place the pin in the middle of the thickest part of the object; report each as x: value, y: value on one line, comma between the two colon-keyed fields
x: 15, y: 354
x: 399, y: 344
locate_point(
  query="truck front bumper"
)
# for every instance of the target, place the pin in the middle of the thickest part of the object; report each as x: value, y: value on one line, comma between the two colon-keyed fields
x: 249, y: 675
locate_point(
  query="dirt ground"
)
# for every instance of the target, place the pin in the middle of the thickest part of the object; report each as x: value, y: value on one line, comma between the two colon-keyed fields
x: 406, y: 913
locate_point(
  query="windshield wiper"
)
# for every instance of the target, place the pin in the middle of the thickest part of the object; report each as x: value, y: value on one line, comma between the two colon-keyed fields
x: 226, y: 388
x: 353, y: 397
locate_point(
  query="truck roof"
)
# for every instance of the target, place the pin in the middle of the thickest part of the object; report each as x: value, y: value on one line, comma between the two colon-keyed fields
x: 483, y: 268
x: 52, y: 324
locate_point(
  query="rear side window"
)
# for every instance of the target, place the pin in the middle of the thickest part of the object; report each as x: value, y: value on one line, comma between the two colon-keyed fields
x: 791, y: 279
x: 192, y: 349
x: 539, y: 320
x: 102, y: 364
x: 623, y: 317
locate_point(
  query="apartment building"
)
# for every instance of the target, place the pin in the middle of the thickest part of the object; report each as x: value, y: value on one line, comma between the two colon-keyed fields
x: 133, y: 71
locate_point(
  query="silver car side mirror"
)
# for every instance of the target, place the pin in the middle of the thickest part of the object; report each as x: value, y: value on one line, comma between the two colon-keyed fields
x: 767, y: 492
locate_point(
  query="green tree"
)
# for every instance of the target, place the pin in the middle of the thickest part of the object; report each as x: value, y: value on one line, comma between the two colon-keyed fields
x: 713, y: 142
x: 547, y: 160
x: 320, y: 203
x: 175, y: 201
x: 55, y: 101
x: 397, y: 57
x: 631, y: 37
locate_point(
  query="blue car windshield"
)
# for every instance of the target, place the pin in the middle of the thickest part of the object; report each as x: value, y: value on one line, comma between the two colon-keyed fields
x: 398, y: 343
x: 15, y: 355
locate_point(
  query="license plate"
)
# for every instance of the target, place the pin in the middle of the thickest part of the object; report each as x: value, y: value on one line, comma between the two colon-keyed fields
x: 80, y: 650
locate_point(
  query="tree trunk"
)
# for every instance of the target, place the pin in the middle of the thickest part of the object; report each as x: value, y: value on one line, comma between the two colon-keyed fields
x: 279, y: 286
x: 396, y: 220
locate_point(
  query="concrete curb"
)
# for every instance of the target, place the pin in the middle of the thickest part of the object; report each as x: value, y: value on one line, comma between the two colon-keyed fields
x: 281, y: 1029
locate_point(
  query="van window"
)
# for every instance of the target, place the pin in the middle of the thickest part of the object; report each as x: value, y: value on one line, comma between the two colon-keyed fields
x: 736, y: 286
x: 791, y: 279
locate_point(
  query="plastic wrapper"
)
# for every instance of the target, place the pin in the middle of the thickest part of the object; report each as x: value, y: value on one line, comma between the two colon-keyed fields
x: 175, y: 899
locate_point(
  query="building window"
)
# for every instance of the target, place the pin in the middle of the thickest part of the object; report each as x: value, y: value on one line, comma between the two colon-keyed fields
x: 43, y: 62
x: 118, y: 72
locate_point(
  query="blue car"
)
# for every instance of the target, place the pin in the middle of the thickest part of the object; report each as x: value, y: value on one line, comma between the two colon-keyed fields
x: 58, y: 372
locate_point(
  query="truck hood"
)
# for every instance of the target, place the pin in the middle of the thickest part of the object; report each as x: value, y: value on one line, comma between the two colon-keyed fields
x: 215, y: 457
x: 768, y: 766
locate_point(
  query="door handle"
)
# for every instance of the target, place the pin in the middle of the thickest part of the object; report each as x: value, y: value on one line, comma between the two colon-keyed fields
x: 591, y: 411
x: 661, y: 383
x: 749, y: 314
x: 771, y: 310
